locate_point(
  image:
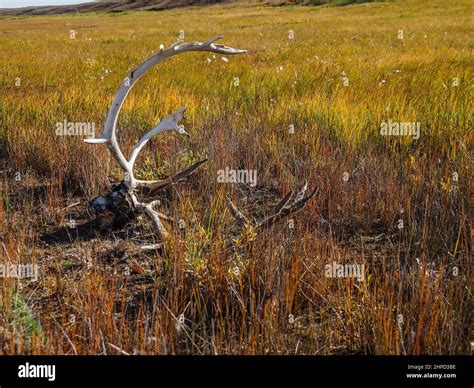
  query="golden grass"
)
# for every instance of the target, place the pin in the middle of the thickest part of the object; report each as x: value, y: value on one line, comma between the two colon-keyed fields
x: 241, y: 303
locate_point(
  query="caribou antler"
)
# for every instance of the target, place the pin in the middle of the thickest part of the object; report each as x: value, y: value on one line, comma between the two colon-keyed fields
x: 284, y: 208
x: 122, y: 201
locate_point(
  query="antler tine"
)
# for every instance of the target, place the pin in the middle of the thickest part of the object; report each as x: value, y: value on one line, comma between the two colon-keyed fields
x: 154, y: 186
x: 123, y: 196
x: 282, y: 209
x: 283, y: 202
x: 300, y: 195
x: 108, y: 135
x: 209, y: 46
x: 300, y: 204
x: 238, y: 215
x: 221, y: 49
x: 152, y: 214
x: 167, y: 124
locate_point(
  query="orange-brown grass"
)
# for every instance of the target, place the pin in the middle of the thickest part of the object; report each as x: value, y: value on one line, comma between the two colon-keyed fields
x: 201, y: 293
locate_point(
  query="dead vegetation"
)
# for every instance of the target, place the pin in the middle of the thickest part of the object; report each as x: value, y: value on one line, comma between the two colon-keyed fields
x: 218, y: 286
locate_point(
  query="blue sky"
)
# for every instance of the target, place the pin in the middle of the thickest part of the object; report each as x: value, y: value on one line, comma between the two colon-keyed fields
x: 27, y: 3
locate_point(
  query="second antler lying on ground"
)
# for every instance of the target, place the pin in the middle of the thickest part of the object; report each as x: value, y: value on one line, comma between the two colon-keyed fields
x: 284, y: 208
x: 121, y: 202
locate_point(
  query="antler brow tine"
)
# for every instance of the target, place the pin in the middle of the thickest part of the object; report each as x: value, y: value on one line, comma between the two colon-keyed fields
x: 169, y: 123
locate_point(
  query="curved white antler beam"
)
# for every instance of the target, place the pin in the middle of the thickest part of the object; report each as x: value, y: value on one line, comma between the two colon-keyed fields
x: 169, y: 123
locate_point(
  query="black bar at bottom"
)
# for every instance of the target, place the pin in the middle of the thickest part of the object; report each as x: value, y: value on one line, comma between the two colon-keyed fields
x: 304, y: 371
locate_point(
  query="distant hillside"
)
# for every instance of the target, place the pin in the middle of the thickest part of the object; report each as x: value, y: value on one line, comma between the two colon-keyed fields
x: 105, y: 6
x: 151, y: 5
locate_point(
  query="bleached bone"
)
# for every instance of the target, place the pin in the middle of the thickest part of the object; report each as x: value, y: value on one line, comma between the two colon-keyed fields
x: 124, y: 194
